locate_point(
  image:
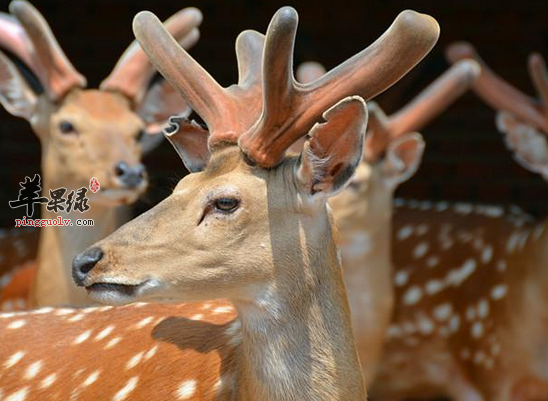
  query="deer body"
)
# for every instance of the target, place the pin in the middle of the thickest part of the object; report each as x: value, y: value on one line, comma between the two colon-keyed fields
x: 250, y: 224
x: 84, y: 133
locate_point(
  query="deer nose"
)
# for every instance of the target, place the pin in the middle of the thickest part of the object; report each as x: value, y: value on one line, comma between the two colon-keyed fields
x: 129, y: 177
x: 84, y: 262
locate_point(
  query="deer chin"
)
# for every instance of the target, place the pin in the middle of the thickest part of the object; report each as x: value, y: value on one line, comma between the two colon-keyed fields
x: 115, y: 292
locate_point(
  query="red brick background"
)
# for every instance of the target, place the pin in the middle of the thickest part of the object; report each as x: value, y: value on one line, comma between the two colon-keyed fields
x: 465, y: 158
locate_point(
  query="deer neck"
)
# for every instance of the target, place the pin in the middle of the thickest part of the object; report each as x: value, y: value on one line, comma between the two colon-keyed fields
x: 297, y: 341
x: 58, y: 245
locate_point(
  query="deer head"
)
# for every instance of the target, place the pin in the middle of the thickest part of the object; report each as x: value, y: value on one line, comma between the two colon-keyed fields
x: 88, y: 132
x: 251, y: 208
x: 522, y: 120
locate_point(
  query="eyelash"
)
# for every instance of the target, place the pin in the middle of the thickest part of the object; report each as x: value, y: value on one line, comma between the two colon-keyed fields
x: 214, y: 206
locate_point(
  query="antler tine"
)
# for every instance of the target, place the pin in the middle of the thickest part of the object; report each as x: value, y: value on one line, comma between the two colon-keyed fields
x: 309, y: 71
x: 435, y: 98
x: 13, y: 39
x: 249, y: 51
x: 55, y: 71
x: 133, y: 71
x: 410, y: 37
x: 495, y: 91
x: 199, y: 89
x: 539, y: 76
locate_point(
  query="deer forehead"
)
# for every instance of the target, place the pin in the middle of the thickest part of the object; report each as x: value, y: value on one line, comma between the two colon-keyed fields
x: 99, y: 107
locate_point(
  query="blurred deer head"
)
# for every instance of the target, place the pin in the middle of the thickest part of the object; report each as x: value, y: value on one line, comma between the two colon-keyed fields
x: 88, y: 133
x: 522, y: 119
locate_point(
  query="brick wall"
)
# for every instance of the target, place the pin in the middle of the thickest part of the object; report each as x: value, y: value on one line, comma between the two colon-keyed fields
x: 465, y: 158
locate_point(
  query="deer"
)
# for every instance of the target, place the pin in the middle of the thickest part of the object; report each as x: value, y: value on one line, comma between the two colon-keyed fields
x: 249, y: 224
x: 470, y: 280
x: 74, y: 125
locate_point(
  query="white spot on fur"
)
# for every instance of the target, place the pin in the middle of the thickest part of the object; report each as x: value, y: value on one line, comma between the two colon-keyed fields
x: 393, y: 331
x: 443, y: 312
x: 487, y: 254
x: 197, y: 316
x: 463, y: 208
x: 479, y: 357
x: 400, y: 278
x: 501, y: 265
x: 441, y: 206
x: 92, y: 378
x: 143, y: 322
x: 134, y: 361
x: 489, y: 363
x: 64, y: 311
x: 434, y: 286
x: 14, y: 359
x: 105, y: 332
x: 76, y: 318
x: 186, y: 389
x: 420, y: 250
x: 421, y: 229
x: 82, y: 337
x: 48, y: 381
x: 33, y: 370
x: 19, y: 395
x: 17, y: 324
x: 465, y: 353
x: 409, y: 327
x: 477, y: 330
x: 513, y: 242
x: 483, y: 308
x: 454, y: 323
x: 432, y: 261
x: 150, y: 353
x: 42, y: 311
x: 412, y: 296
x: 457, y: 276
x: 360, y: 244
x: 128, y: 388
x: 499, y: 292
x: 425, y: 325
x: 404, y: 233
x: 138, y: 304
x: 223, y: 309
x: 495, y: 349
x: 112, y: 342
x: 470, y: 313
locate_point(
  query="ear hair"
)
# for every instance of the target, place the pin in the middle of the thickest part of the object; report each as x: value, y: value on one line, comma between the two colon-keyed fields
x: 190, y: 141
x: 15, y: 94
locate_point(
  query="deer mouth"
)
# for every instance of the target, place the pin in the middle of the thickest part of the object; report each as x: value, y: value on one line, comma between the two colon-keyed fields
x: 116, y: 293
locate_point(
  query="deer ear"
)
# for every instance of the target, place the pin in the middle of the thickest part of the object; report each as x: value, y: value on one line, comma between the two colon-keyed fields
x: 15, y: 94
x: 334, y: 151
x: 528, y: 145
x: 190, y: 141
x: 159, y: 103
x: 402, y: 159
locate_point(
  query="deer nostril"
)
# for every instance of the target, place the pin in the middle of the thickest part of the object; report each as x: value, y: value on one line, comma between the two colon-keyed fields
x: 84, y: 262
x: 120, y: 169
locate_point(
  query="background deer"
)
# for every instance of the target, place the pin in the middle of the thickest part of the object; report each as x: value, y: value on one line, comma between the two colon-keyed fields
x: 471, y: 280
x: 256, y: 230
x: 84, y: 133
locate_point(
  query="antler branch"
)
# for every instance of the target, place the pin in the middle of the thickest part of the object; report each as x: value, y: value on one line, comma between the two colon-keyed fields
x: 133, y: 72
x: 46, y: 58
x: 497, y: 92
x: 437, y: 97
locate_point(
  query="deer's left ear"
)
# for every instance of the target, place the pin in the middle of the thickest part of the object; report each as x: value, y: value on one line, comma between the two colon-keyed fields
x: 402, y: 159
x: 190, y: 142
x: 334, y: 151
x: 159, y: 103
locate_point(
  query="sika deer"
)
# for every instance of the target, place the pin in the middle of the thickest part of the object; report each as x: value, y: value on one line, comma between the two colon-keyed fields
x: 470, y: 320
x: 252, y: 226
x: 84, y: 133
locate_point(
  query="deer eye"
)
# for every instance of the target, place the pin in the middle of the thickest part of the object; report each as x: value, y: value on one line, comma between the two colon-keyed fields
x: 226, y: 205
x: 67, y: 128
